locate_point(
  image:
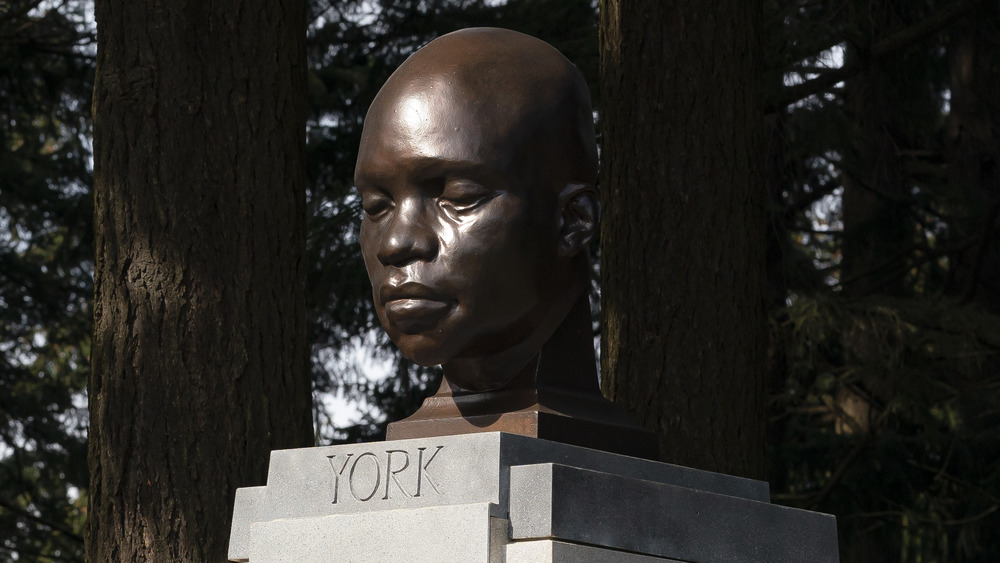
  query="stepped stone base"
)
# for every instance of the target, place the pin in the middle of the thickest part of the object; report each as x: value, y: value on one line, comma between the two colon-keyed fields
x: 496, y: 497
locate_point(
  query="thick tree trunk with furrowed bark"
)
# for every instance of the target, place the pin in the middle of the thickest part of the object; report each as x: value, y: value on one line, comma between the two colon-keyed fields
x: 973, y: 136
x: 200, y: 352
x: 683, y: 231
x: 878, y: 227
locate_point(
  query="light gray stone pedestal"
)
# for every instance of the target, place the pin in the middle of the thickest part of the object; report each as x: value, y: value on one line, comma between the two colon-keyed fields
x: 497, y: 497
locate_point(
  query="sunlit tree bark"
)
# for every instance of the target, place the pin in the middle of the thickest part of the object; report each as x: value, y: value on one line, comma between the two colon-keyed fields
x: 200, y: 352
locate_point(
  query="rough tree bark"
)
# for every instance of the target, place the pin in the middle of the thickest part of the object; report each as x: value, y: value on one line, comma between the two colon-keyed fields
x: 973, y: 137
x: 683, y: 231
x: 200, y: 352
x: 878, y: 227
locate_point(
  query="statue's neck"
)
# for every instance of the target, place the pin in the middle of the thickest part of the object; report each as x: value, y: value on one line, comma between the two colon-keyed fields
x: 554, y: 396
x: 565, y: 361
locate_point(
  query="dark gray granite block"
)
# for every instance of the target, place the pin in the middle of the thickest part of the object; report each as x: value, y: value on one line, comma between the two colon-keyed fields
x: 602, y: 509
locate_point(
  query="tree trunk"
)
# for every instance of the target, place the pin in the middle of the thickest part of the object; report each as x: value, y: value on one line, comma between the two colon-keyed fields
x: 878, y: 244
x: 200, y: 352
x: 974, y: 155
x: 683, y: 231
x: 878, y: 229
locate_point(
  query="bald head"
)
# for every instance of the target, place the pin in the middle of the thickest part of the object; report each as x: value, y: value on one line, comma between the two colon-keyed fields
x: 510, y: 96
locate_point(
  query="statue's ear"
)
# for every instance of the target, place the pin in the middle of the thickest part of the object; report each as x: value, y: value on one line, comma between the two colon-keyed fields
x: 579, y: 213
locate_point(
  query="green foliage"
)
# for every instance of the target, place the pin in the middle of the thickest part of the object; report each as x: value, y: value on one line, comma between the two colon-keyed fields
x: 45, y: 278
x: 890, y: 418
x: 885, y: 359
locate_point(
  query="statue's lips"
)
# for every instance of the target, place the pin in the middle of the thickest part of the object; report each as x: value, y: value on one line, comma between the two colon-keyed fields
x: 413, y: 307
x: 415, y: 315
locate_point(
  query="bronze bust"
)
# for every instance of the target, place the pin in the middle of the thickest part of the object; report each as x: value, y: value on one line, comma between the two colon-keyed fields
x: 477, y: 172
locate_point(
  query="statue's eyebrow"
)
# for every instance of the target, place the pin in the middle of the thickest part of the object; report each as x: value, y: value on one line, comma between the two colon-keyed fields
x: 426, y: 170
x: 433, y: 166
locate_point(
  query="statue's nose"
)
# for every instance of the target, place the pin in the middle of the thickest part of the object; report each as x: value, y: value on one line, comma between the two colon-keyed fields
x: 409, y: 236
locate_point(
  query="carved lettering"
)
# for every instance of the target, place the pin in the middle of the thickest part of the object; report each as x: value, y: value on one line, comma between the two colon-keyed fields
x: 364, y: 480
x: 378, y: 477
x: 390, y: 475
x: 337, y: 474
x: 422, y: 473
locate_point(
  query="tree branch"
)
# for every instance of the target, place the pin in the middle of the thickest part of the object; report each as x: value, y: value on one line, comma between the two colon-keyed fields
x: 992, y: 220
x: 20, y: 551
x: 15, y: 14
x: 798, y: 205
x: 895, y: 42
x: 50, y: 525
x: 813, y: 499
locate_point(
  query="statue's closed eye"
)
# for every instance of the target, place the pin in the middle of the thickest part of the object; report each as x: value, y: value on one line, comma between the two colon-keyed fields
x: 463, y: 196
x: 375, y: 204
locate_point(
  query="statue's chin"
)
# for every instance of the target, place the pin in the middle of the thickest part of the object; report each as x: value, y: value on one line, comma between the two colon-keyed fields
x: 420, y: 349
x: 471, y: 374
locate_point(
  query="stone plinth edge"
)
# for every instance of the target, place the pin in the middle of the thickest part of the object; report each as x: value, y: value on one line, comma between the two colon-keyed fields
x: 580, y: 506
x: 335, y: 489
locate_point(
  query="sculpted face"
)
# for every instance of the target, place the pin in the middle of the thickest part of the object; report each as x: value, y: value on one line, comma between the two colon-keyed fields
x: 473, y: 217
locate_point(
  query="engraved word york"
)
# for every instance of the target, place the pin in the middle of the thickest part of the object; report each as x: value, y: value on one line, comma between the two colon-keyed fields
x: 370, y: 474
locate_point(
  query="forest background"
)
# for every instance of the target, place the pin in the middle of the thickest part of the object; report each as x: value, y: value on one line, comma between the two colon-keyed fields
x: 882, y: 173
